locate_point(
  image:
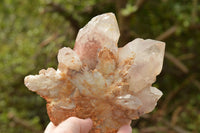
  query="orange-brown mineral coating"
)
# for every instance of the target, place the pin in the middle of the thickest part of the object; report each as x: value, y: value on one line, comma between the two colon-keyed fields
x: 84, y: 109
x: 107, y: 117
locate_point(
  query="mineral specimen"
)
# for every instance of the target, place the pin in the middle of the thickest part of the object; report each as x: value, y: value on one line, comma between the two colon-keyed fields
x: 100, y: 81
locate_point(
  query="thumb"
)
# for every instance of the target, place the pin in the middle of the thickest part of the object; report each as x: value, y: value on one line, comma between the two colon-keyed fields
x: 74, y: 125
x: 85, y: 125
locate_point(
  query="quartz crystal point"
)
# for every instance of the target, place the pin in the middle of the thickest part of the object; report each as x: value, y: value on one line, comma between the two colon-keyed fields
x: 100, y: 81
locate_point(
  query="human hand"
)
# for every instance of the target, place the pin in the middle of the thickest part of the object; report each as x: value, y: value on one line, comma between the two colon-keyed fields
x: 76, y: 125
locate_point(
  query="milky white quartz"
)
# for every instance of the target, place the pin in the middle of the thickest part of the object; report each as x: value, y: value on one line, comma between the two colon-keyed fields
x: 98, y: 80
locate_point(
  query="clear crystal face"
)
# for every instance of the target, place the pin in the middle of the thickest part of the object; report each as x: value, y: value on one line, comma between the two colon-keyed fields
x: 100, y: 81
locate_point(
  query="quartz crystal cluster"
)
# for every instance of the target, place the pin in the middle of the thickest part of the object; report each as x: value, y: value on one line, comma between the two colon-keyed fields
x: 100, y: 81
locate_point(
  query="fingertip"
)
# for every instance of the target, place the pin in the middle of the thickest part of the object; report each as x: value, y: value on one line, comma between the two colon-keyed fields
x: 89, y: 121
x: 125, y: 129
x: 50, y: 127
x: 86, y: 125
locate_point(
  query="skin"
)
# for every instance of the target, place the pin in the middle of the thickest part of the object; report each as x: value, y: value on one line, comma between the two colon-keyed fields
x: 76, y: 125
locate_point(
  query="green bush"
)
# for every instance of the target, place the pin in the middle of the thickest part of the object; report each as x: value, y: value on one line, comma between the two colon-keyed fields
x: 31, y: 32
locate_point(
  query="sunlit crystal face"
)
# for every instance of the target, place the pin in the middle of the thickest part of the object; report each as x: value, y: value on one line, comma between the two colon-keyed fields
x: 97, y: 79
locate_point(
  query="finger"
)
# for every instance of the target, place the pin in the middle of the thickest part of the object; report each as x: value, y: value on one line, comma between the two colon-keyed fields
x: 74, y: 125
x: 85, y: 125
x: 125, y: 129
x: 50, y: 127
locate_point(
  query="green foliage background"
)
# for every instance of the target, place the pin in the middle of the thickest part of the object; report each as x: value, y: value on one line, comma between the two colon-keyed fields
x: 31, y: 32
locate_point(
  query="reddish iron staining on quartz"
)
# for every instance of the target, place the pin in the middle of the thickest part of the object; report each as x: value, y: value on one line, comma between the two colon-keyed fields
x: 100, y: 81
